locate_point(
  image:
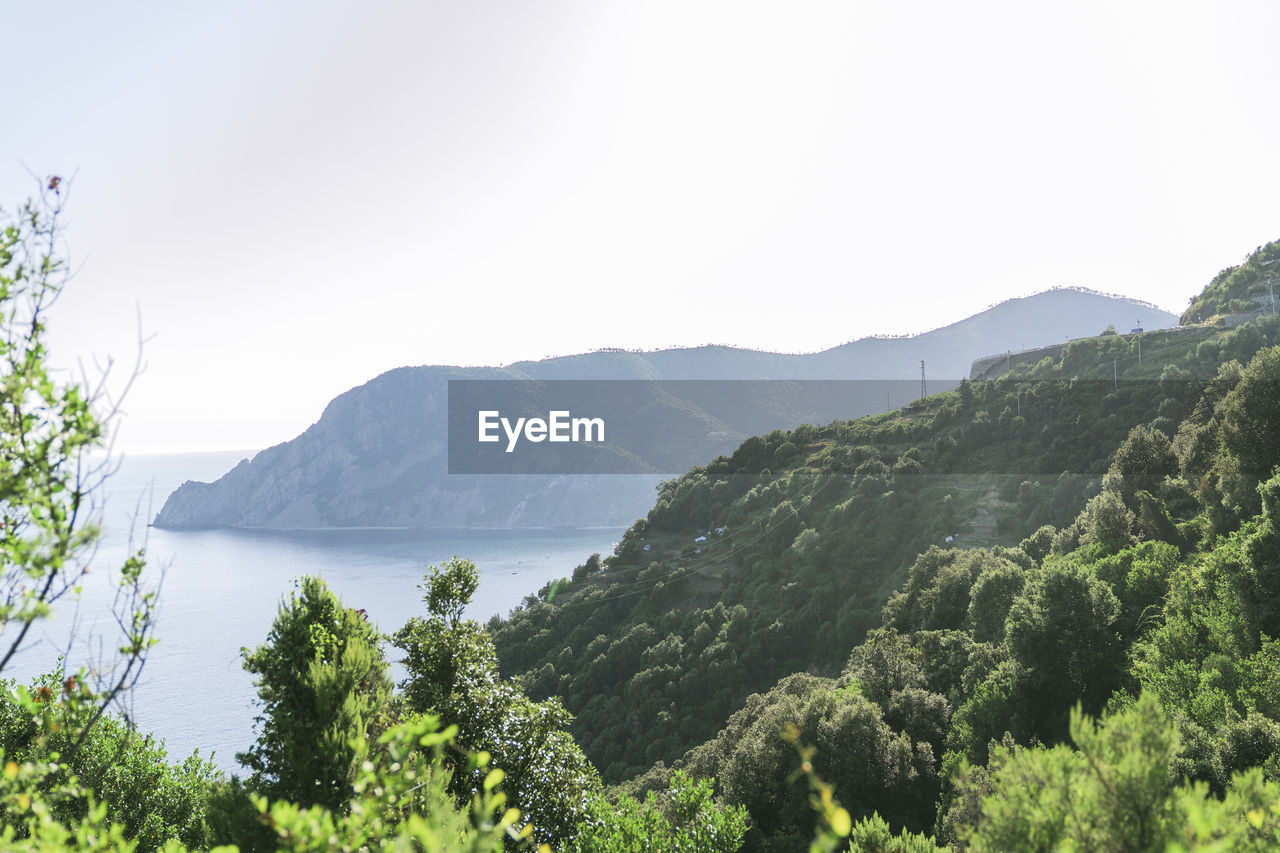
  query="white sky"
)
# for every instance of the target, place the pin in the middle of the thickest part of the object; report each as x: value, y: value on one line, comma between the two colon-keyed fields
x: 297, y: 196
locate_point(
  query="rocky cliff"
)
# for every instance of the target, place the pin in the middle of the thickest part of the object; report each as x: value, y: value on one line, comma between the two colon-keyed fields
x: 377, y: 457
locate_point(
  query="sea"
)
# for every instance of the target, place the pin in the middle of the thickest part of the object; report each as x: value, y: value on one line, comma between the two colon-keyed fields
x: 220, y: 589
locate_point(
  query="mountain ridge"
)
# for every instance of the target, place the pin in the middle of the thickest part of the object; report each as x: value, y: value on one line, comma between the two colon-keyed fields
x: 376, y: 456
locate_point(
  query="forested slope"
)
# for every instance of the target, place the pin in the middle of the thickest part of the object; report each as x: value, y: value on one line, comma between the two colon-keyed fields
x: 1126, y: 547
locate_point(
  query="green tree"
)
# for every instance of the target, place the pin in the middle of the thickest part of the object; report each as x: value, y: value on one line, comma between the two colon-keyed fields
x: 74, y: 774
x: 444, y: 653
x: 874, y: 835
x: 1251, y: 430
x: 1115, y: 792
x: 1139, y: 577
x: 1060, y: 630
x: 401, y: 802
x: 48, y: 478
x: 874, y: 768
x: 992, y: 595
x: 453, y: 672
x: 323, y: 686
x: 686, y: 820
x: 449, y: 589
x: 885, y: 663
x: 1142, y: 463
x: 1106, y: 521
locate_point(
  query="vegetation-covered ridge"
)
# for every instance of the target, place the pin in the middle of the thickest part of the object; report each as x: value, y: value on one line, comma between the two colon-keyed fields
x: 1241, y: 289
x: 809, y: 532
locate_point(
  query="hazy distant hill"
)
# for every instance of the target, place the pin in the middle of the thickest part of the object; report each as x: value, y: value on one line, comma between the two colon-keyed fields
x: 377, y: 456
x: 1045, y: 318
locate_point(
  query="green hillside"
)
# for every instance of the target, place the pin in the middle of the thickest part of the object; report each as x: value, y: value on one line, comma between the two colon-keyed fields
x: 1116, y: 505
x: 1240, y: 289
x: 820, y: 525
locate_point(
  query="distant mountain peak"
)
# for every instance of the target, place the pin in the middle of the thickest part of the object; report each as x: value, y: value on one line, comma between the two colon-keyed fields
x: 376, y: 455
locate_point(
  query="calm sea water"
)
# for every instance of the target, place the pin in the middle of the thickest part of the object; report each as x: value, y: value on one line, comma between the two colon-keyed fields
x: 220, y: 590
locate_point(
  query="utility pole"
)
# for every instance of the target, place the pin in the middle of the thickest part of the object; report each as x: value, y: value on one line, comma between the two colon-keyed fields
x: 1139, y: 340
x: 1019, y: 399
x: 1115, y: 375
x: 1271, y: 295
x: 922, y: 392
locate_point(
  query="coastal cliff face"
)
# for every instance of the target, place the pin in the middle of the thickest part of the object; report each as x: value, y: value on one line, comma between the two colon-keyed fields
x: 377, y: 457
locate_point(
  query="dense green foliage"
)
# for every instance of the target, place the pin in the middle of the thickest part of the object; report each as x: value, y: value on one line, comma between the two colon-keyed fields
x: 1156, y: 590
x: 654, y: 652
x: 323, y: 686
x: 874, y: 767
x: 686, y: 820
x: 453, y: 671
x: 1113, y: 791
x: 1103, y: 505
x: 153, y: 801
x: 1035, y: 613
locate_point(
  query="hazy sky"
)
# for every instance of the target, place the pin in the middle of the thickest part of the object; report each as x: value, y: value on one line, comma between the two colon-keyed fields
x: 297, y: 196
